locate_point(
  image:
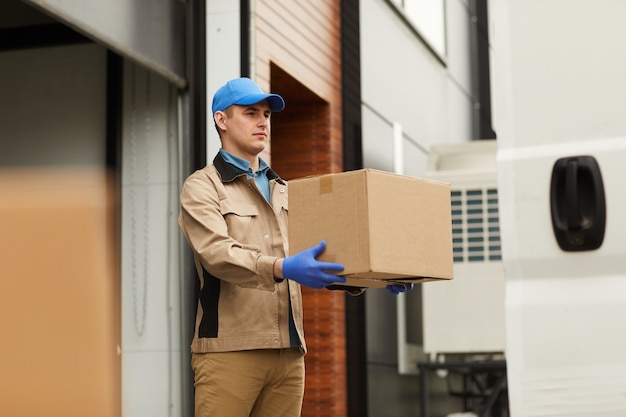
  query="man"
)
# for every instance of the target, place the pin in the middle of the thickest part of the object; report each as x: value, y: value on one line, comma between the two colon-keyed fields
x: 248, y: 347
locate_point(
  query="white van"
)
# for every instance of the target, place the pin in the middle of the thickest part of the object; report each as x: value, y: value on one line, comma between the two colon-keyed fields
x: 559, y: 89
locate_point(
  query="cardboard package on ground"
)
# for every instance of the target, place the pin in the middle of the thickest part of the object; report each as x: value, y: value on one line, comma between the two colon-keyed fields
x: 382, y: 227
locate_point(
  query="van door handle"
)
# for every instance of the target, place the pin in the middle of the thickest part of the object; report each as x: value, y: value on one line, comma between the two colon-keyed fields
x: 577, y: 203
x: 571, y: 194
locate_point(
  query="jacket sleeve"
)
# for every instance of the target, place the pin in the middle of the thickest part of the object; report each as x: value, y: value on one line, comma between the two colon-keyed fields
x: 205, y: 229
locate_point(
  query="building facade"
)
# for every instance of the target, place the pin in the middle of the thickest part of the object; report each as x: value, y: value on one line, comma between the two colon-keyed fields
x: 105, y: 114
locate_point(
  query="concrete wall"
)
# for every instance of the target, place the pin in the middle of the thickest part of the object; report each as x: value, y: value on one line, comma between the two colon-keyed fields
x: 223, y: 47
x: 429, y: 96
x: 404, y: 82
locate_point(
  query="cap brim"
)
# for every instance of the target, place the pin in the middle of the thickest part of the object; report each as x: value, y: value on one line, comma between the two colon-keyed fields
x: 275, y: 102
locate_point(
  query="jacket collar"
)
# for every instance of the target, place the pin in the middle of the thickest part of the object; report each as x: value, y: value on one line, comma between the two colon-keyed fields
x: 229, y: 172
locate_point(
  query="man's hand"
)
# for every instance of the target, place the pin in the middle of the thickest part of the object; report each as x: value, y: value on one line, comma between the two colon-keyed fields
x: 396, y: 289
x: 305, y: 269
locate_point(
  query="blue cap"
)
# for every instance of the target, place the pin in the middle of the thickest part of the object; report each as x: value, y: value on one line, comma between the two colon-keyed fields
x: 243, y: 92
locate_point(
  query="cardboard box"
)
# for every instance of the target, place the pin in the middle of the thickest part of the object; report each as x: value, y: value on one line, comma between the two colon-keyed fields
x: 381, y: 226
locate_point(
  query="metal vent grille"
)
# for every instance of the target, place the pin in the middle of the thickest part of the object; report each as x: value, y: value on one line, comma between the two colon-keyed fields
x: 475, y: 225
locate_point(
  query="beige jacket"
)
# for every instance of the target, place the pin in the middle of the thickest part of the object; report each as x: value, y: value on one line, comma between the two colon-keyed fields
x: 236, y: 236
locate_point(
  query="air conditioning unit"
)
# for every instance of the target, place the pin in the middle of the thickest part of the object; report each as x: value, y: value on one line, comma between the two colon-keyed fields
x: 466, y: 315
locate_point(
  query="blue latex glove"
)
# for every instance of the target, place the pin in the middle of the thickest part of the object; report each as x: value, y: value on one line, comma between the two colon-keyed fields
x: 396, y: 289
x: 306, y: 270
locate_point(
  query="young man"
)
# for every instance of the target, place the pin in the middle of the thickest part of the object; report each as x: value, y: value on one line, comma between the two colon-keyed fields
x: 248, y: 347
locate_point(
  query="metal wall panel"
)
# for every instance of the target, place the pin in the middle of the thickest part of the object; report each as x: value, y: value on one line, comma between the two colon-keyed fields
x: 150, y: 32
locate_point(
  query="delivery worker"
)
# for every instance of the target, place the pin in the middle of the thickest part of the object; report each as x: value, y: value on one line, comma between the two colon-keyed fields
x: 248, y: 346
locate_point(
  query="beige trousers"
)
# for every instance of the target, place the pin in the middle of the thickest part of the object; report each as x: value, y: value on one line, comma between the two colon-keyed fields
x: 253, y: 383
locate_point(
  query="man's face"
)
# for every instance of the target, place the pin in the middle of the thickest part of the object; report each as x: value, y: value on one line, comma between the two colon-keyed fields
x: 246, y: 129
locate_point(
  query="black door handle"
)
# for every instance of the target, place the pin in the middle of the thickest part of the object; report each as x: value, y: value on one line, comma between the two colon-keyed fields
x: 577, y: 203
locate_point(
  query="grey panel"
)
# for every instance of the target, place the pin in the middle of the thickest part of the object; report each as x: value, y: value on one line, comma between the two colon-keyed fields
x: 150, y: 32
x: 54, y: 114
x: 381, y: 328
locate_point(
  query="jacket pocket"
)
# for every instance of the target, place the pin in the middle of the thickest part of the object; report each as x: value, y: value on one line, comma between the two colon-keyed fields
x: 240, y: 217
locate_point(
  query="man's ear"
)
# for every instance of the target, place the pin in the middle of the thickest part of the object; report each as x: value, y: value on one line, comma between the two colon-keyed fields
x: 219, y: 118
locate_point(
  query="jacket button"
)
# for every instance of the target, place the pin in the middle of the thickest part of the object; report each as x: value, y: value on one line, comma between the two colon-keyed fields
x: 282, y: 190
x: 266, y: 236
